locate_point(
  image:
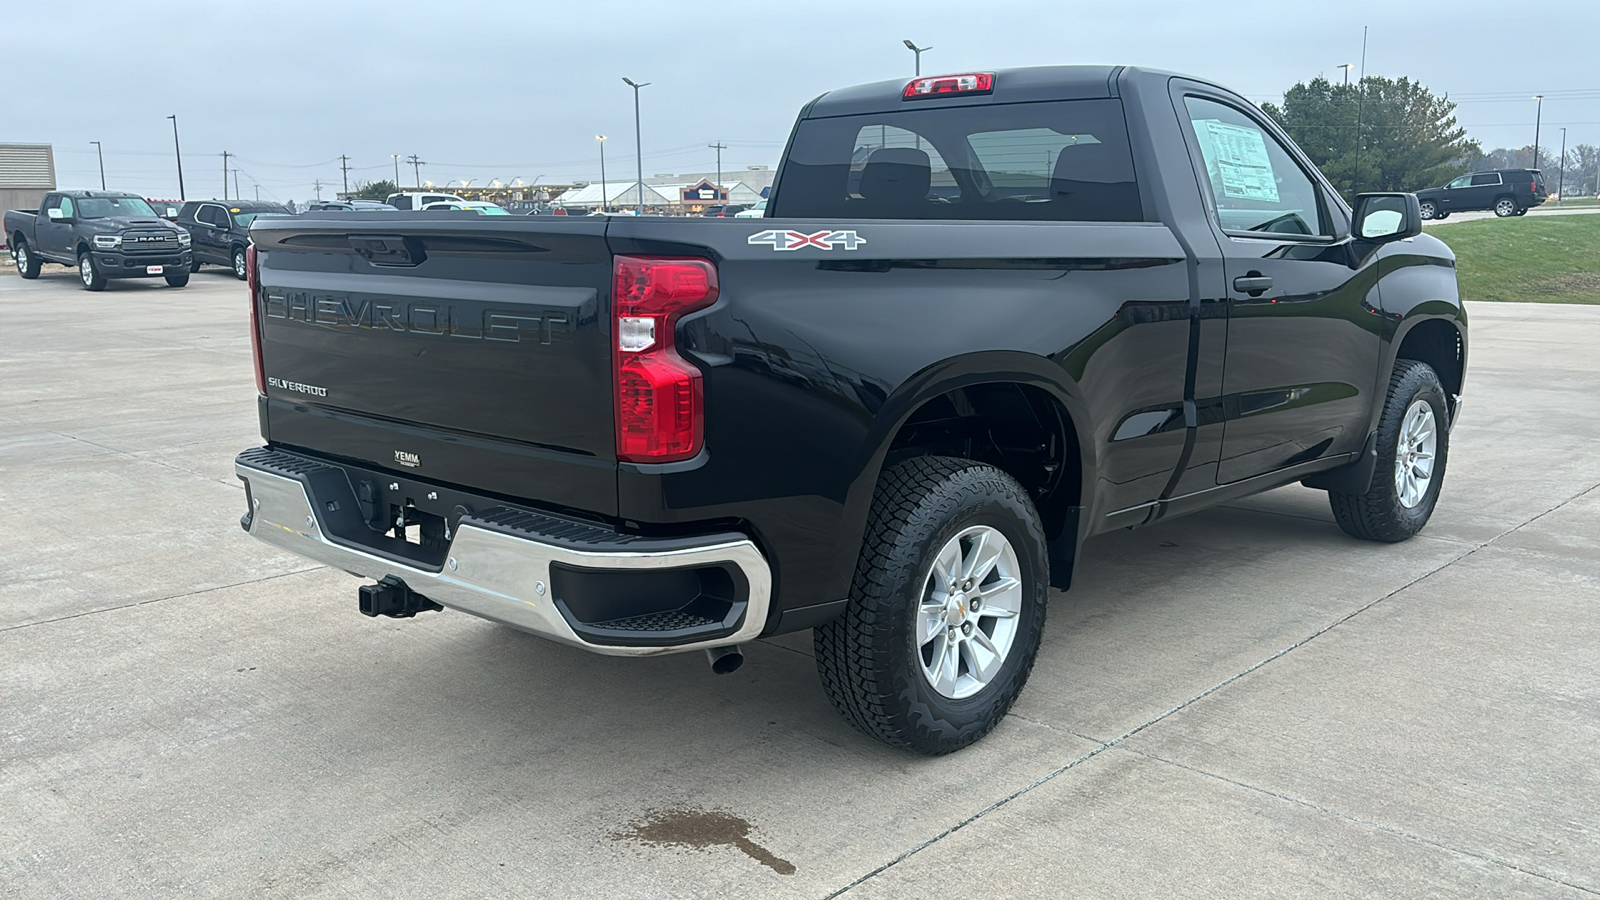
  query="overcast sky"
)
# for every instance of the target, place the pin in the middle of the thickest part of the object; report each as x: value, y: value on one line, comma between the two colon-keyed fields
x: 508, y: 89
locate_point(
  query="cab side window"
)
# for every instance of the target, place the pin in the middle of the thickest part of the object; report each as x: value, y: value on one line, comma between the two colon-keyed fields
x: 66, y: 207
x: 1254, y: 180
x: 1463, y: 181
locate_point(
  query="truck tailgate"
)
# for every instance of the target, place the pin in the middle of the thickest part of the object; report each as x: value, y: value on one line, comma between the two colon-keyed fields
x: 443, y: 346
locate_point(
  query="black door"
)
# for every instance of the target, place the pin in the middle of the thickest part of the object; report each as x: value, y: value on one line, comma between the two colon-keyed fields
x: 1304, y: 320
x: 1485, y: 190
x: 1457, y: 194
x: 52, y: 231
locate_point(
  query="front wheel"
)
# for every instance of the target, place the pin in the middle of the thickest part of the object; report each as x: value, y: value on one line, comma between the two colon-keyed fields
x: 194, y: 264
x: 1413, y: 446
x: 238, y: 263
x: 947, y: 607
x: 1429, y: 211
x: 178, y: 280
x: 1505, y: 207
x: 27, y: 263
x: 90, y: 274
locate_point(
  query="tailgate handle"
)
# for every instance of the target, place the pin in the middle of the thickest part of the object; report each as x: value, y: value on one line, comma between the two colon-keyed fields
x: 388, y: 249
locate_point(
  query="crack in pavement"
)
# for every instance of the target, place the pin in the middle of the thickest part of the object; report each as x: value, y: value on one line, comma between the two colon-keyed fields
x: 1119, y: 739
x: 106, y: 609
x: 1379, y: 826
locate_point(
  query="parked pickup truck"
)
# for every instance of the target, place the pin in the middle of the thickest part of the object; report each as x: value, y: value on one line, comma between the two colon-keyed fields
x: 987, y: 316
x: 105, y: 234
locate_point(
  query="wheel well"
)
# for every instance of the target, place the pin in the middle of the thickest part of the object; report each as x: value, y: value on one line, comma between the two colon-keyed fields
x: 1017, y: 428
x: 1437, y: 343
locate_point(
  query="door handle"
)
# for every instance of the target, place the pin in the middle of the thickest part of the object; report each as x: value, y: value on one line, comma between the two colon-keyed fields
x: 1255, y: 284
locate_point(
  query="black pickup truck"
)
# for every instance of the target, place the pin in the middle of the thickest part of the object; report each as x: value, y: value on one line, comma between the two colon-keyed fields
x: 105, y: 234
x: 988, y: 315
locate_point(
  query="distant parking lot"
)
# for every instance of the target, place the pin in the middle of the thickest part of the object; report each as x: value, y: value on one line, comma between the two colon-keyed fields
x: 1240, y: 703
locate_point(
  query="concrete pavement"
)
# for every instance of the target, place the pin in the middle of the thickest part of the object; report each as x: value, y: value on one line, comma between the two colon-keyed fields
x: 1240, y: 703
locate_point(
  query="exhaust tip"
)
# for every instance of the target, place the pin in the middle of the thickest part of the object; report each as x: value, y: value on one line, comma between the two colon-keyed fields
x: 725, y: 660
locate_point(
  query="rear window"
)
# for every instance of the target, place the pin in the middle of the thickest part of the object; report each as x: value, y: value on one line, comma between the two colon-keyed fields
x: 1063, y: 161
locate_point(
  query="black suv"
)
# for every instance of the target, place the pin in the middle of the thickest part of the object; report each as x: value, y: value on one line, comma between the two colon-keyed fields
x: 1509, y: 192
x: 221, y: 229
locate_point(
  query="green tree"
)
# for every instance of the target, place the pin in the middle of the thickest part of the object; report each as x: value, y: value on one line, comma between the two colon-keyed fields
x: 1407, y: 137
x: 376, y: 190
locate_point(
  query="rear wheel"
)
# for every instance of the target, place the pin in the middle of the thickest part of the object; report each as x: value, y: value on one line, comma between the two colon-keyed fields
x: 946, y: 610
x: 1413, y: 446
x: 1522, y: 211
x: 1505, y: 207
x: 27, y: 263
x: 178, y: 280
x: 89, y: 273
x: 1429, y: 211
x: 238, y: 263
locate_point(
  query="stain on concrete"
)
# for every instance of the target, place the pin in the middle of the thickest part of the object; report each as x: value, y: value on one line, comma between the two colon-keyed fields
x: 700, y: 829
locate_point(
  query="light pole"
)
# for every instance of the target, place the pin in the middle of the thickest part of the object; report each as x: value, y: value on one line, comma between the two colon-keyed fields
x: 1537, y: 116
x: 1561, y: 176
x: 102, y: 156
x: 396, y: 158
x: 225, y: 155
x: 638, y: 144
x: 178, y: 151
x: 1346, y: 67
x: 602, y: 139
x: 918, y: 51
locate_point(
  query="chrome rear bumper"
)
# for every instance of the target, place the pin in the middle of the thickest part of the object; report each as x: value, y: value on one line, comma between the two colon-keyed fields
x: 496, y: 575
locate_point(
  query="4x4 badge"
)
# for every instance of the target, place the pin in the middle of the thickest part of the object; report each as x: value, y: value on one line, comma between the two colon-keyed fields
x: 796, y: 240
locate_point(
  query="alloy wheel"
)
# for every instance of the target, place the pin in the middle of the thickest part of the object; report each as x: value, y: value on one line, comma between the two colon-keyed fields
x: 238, y: 264
x: 22, y: 258
x: 1413, y: 458
x: 967, y: 617
x: 1505, y: 208
x: 86, y: 269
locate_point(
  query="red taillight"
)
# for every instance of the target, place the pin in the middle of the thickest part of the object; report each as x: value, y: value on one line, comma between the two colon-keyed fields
x: 973, y: 83
x: 659, y: 404
x: 252, y: 276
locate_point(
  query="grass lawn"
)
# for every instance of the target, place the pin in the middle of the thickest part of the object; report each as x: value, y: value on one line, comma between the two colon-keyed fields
x: 1548, y: 259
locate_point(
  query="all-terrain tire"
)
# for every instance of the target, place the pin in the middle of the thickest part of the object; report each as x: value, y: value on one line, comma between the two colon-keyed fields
x: 1381, y: 514
x: 178, y: 280
x: 869, y: 659
x: 27, y: 263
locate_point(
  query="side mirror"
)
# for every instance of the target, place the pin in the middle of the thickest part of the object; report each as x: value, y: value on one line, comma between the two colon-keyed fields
x: 1381, y: 218
x: 56, y: 215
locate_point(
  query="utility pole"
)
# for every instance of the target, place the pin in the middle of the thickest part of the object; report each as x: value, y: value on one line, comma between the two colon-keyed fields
x: 236, y: 194
x: 318, y: 185
x: 918, y: 51
x: 1561, y: 178
x: 719, y: 147
x: 102, y: 164
x: 225, y: 155
x: 638, y: 143
x: 178, y: 151
x: 1537, y: 116
x: 344, y: 169
x: 416, y: 170
x: 602, y: 139
x: 258, y: 193
x: 1346, y: 67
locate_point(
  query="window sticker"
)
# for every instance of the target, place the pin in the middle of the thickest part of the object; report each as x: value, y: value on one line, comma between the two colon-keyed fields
x: 1236, y: 158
